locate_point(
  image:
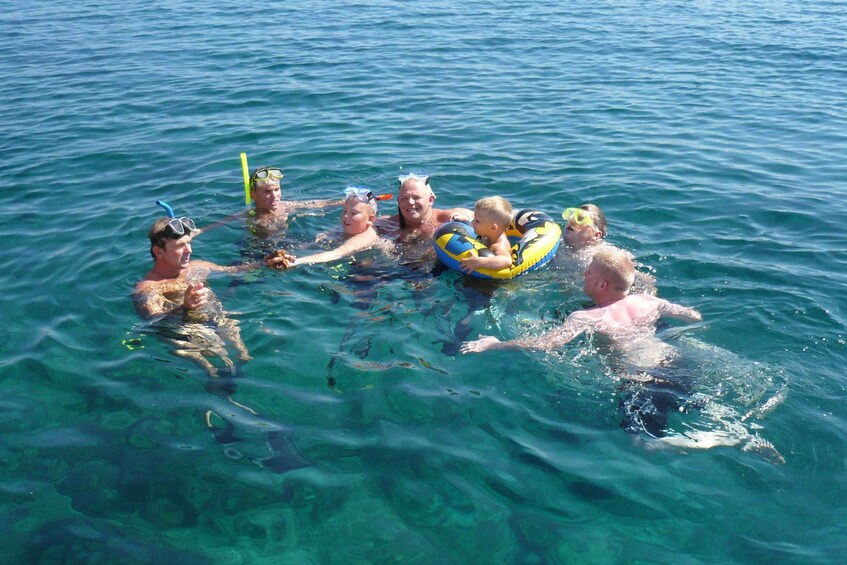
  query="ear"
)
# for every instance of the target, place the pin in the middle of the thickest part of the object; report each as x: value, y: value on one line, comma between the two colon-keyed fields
x: 158, y: 251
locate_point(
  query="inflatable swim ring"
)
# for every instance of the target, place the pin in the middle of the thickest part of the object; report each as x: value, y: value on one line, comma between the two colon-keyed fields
x: 534, y: 237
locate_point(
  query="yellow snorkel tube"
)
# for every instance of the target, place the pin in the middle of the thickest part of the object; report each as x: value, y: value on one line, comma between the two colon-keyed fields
x: 246, y: 173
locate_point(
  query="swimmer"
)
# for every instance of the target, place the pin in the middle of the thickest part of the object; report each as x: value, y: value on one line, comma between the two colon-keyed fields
x: 491, y: 218
x: 617, y: 314
x: 585, y: 234
x: 357, y: 232
x: 176, y: 285
x: 270, y: 211
x: 585, y: 228
x: 416, y: 216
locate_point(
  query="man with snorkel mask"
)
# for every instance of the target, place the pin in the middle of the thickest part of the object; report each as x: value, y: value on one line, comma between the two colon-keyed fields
x: 175, y: 285
x: 416, y: 215
x: 270, y: 212
x: 266, y: 193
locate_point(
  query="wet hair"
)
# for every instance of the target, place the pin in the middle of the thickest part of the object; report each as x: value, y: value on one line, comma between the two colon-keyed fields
x: 597, y: 216
x: 159, y: 233
x: 495, y: 208
x: 615, y: 265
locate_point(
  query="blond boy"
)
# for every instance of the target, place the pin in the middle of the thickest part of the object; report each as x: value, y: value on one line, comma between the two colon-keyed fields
x: 491, y: 218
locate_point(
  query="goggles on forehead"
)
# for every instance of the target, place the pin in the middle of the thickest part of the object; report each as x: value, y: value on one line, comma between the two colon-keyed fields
x: 578, y: 216
x: 181, y: 226
x: 267, y: 173
x: 361, y: 194
x: 178, y: 226
x: 423, y: 178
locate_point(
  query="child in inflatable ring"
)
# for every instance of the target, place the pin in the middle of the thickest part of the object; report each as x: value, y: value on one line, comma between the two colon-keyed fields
x: 491, y: 218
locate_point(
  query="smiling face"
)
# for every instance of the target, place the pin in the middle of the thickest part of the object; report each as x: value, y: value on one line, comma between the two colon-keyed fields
x: 415, y: 200
x: 267, y: 195
x: 356, y: 217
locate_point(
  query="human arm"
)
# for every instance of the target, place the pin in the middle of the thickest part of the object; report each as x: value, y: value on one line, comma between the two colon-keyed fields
x: 678, y: 311
x: 150, y: 300
x: 570, y: 329
x: 454, y: 215
x: 353, y: 244
x: 312, y: 204
x: 218, y: 223
x: 501, y: 257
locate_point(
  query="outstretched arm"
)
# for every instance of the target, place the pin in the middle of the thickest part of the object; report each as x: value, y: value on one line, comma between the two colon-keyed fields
x: 352, y: 245
x: 213, y: 268
x: 678, y: 311
x: 311, y: 204
x: 573, y: 326
x: 218, y: 223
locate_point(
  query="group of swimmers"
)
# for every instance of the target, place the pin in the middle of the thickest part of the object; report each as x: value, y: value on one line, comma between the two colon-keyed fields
x: 176, y: 284
x: 625, y: 309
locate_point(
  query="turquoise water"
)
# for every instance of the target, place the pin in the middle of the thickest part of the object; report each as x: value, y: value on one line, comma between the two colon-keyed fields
x: 713, y: 135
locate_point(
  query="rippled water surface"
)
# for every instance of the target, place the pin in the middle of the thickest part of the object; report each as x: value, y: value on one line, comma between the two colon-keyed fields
x: 713, y: 135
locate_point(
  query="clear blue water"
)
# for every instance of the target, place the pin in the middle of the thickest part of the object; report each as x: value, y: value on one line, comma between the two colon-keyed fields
x: 713, y: 134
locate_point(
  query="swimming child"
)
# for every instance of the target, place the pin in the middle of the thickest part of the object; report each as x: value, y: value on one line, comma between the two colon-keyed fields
x: 492, y: 216
x: 358, y: 233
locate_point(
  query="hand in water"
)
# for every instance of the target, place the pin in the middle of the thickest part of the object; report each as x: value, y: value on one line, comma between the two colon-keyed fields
x: 196, y: 296
x: 280, y: 259
x: 484, y: 343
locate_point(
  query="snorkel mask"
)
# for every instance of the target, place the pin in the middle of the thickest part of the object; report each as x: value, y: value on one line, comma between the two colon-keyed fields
x: 361, y: 194
x: 579, y: 217
x: 178, y: 226
x: 266, y: 174
x: 423, y: 178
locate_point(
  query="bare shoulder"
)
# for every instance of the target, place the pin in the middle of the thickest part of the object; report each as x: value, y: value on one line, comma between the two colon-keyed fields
x: 365, y: 239
x: 200, y: 268
x: 144, y: 286
x: 585, y: 316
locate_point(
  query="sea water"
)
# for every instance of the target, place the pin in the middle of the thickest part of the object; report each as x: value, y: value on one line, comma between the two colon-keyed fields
x: 713, y: 135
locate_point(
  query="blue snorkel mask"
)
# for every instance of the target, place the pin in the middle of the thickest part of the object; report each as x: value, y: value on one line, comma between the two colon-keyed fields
x: 178, y: 226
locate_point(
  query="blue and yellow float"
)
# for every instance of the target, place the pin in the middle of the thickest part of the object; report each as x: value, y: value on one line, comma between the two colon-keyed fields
x: 534, y: 237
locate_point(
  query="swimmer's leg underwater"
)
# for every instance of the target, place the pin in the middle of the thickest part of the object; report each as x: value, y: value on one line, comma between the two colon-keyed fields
x: 478, y: 294
x: 278, y: 437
